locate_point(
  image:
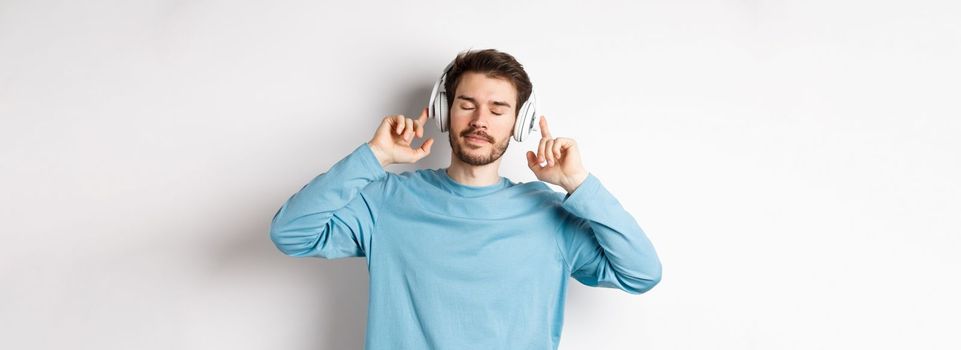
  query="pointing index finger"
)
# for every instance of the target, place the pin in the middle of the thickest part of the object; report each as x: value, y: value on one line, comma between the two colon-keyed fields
x: 419, y: 123
x: 545, y: 131
x: 423, y: 116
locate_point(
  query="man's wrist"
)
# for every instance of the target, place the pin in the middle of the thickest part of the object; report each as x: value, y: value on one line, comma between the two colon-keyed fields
x: 380, y: 155
x: 575, y: 182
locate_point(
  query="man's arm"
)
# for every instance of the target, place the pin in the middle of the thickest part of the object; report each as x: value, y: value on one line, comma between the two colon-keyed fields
x: 331, y: 217
x: 603, y: 244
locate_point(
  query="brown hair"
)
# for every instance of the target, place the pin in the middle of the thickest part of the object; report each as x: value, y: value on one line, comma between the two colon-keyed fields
x: 494, y: 64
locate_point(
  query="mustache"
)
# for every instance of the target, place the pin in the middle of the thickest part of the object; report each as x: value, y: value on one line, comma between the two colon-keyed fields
x: 477, y: 134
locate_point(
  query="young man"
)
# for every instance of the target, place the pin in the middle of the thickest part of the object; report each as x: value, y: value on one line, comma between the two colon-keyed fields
x: 460, y: 257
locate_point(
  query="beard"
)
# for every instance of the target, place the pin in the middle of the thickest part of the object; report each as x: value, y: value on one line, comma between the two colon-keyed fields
x: 495, y: 153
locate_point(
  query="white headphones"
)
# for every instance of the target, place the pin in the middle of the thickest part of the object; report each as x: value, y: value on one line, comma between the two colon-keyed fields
x: 526, y: 116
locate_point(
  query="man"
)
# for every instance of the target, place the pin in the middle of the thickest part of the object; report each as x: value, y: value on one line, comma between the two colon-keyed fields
x: 462, y: 258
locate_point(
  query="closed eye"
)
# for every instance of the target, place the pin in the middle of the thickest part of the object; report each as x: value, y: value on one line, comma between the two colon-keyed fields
x: 467, y: 108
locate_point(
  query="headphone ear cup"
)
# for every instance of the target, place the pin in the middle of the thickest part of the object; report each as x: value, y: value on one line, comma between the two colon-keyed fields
x: 519, y: 124
x: 433, y: 112
x: 443, y: 121
x: 525, y: 119
x: 438, y: 101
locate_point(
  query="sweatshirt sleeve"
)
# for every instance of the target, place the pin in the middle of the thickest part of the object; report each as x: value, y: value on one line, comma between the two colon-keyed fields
x: 334, y: 214
x: 603, y: 244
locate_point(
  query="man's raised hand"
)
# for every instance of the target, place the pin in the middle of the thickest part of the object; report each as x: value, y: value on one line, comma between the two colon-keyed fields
x: 391, y: 141
x: 563, y: 166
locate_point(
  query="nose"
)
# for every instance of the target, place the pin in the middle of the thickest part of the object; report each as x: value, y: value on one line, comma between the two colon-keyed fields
x: 477, y: 124
x: 479, y: 119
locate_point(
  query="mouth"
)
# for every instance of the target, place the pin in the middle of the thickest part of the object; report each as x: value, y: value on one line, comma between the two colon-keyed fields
x: 476, y: 139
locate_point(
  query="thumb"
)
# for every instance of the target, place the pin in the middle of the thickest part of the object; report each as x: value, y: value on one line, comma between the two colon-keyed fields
x: 424, y: 149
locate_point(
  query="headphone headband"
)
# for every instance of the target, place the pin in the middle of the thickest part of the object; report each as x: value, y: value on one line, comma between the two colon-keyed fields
x: 438, y: 110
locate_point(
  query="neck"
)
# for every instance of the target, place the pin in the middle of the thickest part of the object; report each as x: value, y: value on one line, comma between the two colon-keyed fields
x: 474, y: 175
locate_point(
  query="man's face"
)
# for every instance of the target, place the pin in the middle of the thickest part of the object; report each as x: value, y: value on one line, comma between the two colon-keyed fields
x: 482, y: 118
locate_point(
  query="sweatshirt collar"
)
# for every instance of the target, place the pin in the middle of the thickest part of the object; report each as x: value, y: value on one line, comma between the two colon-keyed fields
x: 468, y: 191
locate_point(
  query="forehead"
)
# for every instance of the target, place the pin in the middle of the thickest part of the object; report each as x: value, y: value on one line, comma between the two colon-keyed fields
x: 486, y: 89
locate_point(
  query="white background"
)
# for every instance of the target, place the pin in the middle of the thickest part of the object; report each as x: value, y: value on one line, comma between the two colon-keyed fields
x: 796, y: 163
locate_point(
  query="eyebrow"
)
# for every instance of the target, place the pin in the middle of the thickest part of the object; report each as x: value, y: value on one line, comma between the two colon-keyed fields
x: 496, y: 103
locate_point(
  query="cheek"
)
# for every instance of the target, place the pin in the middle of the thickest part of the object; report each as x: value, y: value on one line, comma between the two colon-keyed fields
x: 508, y: 128
x: 460, y: 115
x: 458, y: 119
x: 507, y: 124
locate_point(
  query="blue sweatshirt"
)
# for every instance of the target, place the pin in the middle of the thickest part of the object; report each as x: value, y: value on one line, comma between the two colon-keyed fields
x: 463, y: 267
